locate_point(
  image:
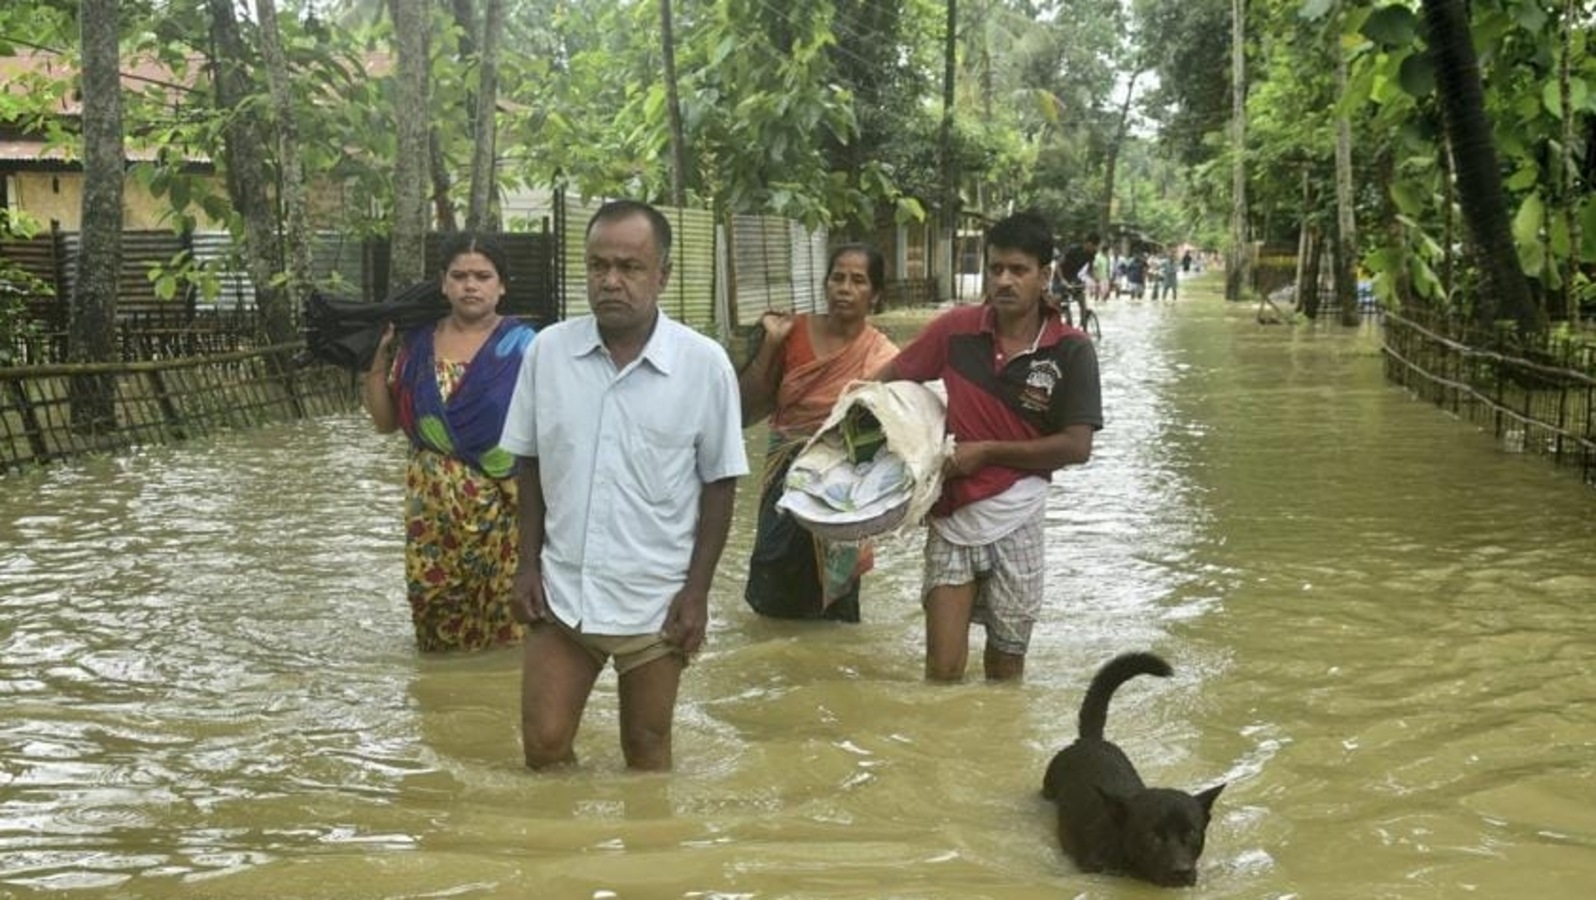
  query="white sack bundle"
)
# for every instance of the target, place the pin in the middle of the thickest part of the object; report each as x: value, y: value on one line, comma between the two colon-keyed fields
x: 874, y: 465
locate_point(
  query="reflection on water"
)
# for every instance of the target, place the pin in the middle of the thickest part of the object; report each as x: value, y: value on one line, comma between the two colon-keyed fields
x: 1377, y: 620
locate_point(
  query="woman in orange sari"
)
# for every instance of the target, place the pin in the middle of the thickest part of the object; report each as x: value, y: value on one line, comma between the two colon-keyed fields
x: 802, y: 366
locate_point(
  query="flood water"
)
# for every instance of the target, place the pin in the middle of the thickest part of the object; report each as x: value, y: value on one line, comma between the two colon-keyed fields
x: 1380, y: 624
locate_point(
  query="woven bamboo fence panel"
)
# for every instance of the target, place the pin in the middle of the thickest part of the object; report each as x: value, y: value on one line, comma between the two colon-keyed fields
x: 160, y: 401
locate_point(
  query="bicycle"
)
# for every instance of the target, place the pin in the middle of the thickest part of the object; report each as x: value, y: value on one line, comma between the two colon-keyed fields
x: 1075, y: 295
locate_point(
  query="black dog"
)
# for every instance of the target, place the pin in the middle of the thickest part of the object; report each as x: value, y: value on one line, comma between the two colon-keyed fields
x: 1108, y: 821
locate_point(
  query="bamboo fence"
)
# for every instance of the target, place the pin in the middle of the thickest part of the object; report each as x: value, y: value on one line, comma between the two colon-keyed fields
x: 1538, y: 398
x: 157, y: 401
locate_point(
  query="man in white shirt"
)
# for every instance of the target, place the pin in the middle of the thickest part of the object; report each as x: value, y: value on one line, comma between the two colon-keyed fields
x: 629, y: 431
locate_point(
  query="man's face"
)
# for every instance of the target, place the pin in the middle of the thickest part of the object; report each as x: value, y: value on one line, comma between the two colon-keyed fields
x: 625, y: 274
x: 1014, y: 280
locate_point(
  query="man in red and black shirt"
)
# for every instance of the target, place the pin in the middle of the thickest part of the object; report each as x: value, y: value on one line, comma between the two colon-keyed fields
x: 1023, y: 400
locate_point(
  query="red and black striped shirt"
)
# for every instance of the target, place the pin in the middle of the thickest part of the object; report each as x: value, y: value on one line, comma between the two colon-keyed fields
x: 991, y: 399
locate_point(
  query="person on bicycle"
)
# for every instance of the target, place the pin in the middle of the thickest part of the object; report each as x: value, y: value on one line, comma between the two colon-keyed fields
x: 1069, y: 274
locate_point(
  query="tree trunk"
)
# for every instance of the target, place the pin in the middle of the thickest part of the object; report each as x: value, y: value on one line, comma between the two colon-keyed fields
x: 1237, y: 271
x: 443, y: 217
x: 950, y: 167
x: 673, y: 103
x: 407, y: 259
x: 443, y: 208
x: 291, y: 171
x: 243, y: 146
x: 1106, y: 212
x: 1315, y: 266
x: 1448, y: 227
x: 1305, y: 287
x: 1346, y: 255
x: 92, y: 335
x: 484, y: 158
x: 1504, y: 292
x: 1570, y: 175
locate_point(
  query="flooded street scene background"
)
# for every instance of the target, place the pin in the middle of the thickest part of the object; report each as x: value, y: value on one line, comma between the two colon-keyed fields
x: 1379, y: 622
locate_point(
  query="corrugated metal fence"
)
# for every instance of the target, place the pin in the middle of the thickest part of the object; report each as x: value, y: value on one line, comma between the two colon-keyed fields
x: 191, y: 362
x: 717, y: 284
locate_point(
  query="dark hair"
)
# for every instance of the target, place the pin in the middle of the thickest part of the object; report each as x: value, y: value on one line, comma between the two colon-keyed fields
x: 1026, y: 232
x: 875, y: 263
x: 616, y: 210
x: 463, y: 242
x: 1092, y: 238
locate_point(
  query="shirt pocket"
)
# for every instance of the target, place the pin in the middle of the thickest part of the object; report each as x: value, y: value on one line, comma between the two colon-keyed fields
x: 663, y: 463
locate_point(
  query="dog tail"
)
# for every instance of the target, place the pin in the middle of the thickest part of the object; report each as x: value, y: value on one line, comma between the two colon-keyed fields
x: 1120, y: 669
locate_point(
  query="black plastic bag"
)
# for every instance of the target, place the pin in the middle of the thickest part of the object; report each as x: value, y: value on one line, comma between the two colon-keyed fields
x: 345, y: 333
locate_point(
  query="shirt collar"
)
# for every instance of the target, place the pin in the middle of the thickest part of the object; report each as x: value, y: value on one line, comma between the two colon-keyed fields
x: 660, y: 352
x: 1052, y: 323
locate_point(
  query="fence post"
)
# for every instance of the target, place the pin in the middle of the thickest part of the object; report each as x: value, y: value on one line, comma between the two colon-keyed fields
x: 279, y: 367
x: 734, y: 315
x: 1498, y: 406
x: 1562, y: 425
x: 1587, y: 455
x: 30, y: 419
x: 169, y: 413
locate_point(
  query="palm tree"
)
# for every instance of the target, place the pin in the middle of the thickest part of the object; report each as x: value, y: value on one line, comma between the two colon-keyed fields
x: 1504, y: 291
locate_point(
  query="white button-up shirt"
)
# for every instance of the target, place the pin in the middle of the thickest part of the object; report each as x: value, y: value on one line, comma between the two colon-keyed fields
x: 623, y: 456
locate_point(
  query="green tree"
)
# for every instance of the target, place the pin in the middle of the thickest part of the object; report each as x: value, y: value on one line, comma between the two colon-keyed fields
x: 407, y: 248
x: 1479, y: 184
x: 291, y: 180
x: 244, y: 142
x: 485, y: 128
x: 92, y: 337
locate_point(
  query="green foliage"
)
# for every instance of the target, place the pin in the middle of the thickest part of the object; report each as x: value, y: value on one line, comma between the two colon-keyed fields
x: 1391, y: 27
x: 183, y: 274
x: 1416, y: 74
x: 1519, y: 44
x: 16, y: 286
x: 1390, y: 98
x: 829, y: 111
x: 1188, y: 44
x: 16, y: 325
x: 784, y: 111
x: 824, y: 110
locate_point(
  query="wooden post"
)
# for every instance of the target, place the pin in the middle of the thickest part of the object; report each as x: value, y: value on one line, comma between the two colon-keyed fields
x: 170, y: 415
x: 30, y: 420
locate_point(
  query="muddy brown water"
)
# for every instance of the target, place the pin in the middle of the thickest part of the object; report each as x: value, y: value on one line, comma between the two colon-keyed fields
x: 1380, y: 622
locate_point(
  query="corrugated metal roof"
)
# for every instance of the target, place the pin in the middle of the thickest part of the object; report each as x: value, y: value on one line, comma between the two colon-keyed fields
x: 39, y: 151
x: 139, y: 72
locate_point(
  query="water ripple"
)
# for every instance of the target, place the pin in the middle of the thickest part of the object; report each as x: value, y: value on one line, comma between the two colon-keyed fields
x: 1376, y: 620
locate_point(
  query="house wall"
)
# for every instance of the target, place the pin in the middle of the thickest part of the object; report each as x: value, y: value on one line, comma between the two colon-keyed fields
x: 58, y: 197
